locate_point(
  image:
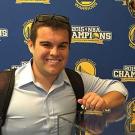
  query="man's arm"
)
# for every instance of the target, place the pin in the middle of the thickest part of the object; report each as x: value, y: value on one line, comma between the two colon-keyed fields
x: 114, y: 99
x: 110, y: 100
x: 102, y: 93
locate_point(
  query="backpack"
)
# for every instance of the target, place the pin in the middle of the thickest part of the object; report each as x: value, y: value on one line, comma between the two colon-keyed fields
x: 7, y: 79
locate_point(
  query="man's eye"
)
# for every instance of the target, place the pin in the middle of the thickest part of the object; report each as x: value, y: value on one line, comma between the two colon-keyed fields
x: 63, y: 46
x: 46, y: 45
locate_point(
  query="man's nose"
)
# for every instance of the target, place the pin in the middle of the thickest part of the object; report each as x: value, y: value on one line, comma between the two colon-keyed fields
x: 54, y: 51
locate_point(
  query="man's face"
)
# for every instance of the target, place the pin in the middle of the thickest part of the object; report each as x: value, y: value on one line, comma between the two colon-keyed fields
x: 50, y: 51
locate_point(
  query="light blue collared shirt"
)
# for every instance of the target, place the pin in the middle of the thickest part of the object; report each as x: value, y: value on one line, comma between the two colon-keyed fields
x: 34, y: 111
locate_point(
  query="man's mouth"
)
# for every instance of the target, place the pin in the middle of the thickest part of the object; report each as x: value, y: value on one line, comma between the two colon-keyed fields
x: 53, y: 61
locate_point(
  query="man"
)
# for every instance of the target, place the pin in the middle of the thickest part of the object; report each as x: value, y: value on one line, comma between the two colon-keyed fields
x: 42, y: 89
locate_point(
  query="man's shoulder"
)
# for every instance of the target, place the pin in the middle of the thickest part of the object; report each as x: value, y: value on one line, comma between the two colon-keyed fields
x: 23, y: 68
x: 77, y: 72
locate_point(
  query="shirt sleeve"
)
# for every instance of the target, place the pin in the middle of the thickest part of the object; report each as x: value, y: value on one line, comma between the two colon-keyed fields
x: 102, y: 86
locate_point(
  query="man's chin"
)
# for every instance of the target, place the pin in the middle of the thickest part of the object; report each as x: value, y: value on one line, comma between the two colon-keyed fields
x: 54, y: 72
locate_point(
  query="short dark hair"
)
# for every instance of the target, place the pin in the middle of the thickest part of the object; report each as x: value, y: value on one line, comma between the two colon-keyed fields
x: 50, y: 20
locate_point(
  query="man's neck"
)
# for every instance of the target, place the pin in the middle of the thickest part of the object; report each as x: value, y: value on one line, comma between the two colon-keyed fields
x: 45, y: 79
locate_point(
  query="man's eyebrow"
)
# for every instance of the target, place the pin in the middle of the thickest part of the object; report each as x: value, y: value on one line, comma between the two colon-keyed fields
x: 64, y: 42
x: 42, y: 42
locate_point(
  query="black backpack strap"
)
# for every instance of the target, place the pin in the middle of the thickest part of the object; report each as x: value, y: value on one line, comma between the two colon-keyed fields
x: 77, y: 84
x: 7, y: 79
x: 78, y: 87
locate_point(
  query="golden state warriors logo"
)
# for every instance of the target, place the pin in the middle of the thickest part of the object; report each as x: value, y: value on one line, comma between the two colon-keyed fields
x: 26, y: 30
x: 131, y: 7
x: 85, y: 4
x: 130, y: 123
x: 17, y: 66
x: 123, y: 2
x: 86, y: 66
x: 33, y: 1
x: 132, y: 36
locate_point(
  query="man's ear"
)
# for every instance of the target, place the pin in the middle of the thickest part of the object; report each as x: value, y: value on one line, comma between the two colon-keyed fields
x: 30, y: 46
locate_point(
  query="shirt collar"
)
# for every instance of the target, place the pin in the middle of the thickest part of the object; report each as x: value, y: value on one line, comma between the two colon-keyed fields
x: 24, y: 75
x: 63, y: 76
